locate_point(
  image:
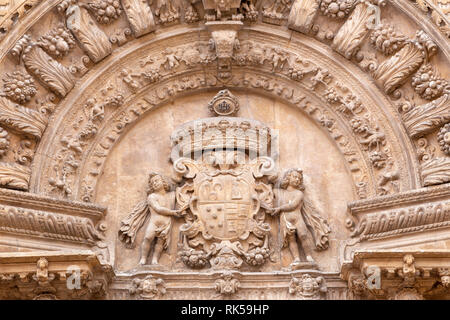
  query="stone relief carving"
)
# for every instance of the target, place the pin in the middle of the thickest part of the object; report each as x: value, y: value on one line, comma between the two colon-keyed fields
x: 296, y: 215
x: 223, y: 197
x: 307, y: 287
x: 301, y: 17
x: 227, y: 285
x: 48, y: 224
x: 160, y: 207
x: 148, y: 288
x: 356, y: 28
x: 91, y: 38
x: 105, y: 11
x: 139, y: 16
x: 19, y: 87
x: 57, y: 42
x: 395, y: 71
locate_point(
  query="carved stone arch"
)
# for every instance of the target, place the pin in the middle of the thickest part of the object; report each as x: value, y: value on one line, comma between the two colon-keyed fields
x: 377, y: 106
x: 371, y: 76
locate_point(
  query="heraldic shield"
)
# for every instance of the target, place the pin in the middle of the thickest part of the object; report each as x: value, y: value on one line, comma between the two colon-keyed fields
x: 226, y: 205
x: 225, y: 211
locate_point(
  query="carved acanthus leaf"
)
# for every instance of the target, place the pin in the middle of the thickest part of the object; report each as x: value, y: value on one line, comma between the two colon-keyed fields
x: 93, y: 40
x: 14, y: 176
x: 424, y: 119
x: 302, y: 15
x: 49, y: 71
x: 350, y: 36
x: 22, y: 119
x: 436, y: 171
x: 139, y: 16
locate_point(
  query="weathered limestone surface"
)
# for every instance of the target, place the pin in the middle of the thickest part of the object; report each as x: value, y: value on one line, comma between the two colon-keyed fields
x: 275, y: 150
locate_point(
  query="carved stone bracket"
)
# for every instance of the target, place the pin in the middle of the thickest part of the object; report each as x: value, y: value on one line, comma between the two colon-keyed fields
x: 224, y: 41
x: 53, y: 275
x: 397, y: 275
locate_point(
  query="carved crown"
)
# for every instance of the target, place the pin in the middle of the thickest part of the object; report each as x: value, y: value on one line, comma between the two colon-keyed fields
x: 221, y: 133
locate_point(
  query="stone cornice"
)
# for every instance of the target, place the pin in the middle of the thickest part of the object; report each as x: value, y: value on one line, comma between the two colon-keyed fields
x: 46, y: 203
x: 399, y: 199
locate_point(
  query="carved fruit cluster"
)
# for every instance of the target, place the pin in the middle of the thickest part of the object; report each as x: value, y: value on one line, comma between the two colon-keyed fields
x: 19, y: 87
x: 106, y: 11
x: 4, y: 142
x: 257, y: 256
x: 336, y: 8
x: 444, y: 139
x: 191, y: 15
x: 427, y: 83
x: 195, y: 259
x: 57, y: 42
x: 386, y: 39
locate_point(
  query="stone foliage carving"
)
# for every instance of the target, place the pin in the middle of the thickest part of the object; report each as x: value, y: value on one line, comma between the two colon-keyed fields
x: 386, y: 39
x: 301, y: 17
x: 105, y: 11
x: 423, y: 119
x: 139, y: 16
x: 50, y: 72
x: 436, y: 171
x: 167, y: 11
x: 307, y: 288
x: 57, y: 42
x: 428, y: 84
x: 23, y: 119
x: 14, y: 176
x: 395, y: 71
x: 350, y: 36
x: 91, y: 38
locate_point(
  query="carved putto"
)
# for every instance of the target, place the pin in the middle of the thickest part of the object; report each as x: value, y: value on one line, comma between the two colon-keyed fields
x: 160, y: 207
x: 296, y: 214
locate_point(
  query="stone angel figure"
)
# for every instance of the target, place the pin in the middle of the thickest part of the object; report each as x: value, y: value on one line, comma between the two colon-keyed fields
x: 297, y: 216
x: 160, y: 207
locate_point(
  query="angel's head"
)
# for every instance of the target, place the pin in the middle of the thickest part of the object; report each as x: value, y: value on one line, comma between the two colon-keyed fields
x: 294, y: 178
x: 156, y: 182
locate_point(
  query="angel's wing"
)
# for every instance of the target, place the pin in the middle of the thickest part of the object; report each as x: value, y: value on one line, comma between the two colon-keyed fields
x: 319, y: 225
x: 133, y: 222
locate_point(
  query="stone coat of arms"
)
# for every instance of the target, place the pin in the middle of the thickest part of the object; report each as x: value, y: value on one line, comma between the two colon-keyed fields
x: 223, y: 189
